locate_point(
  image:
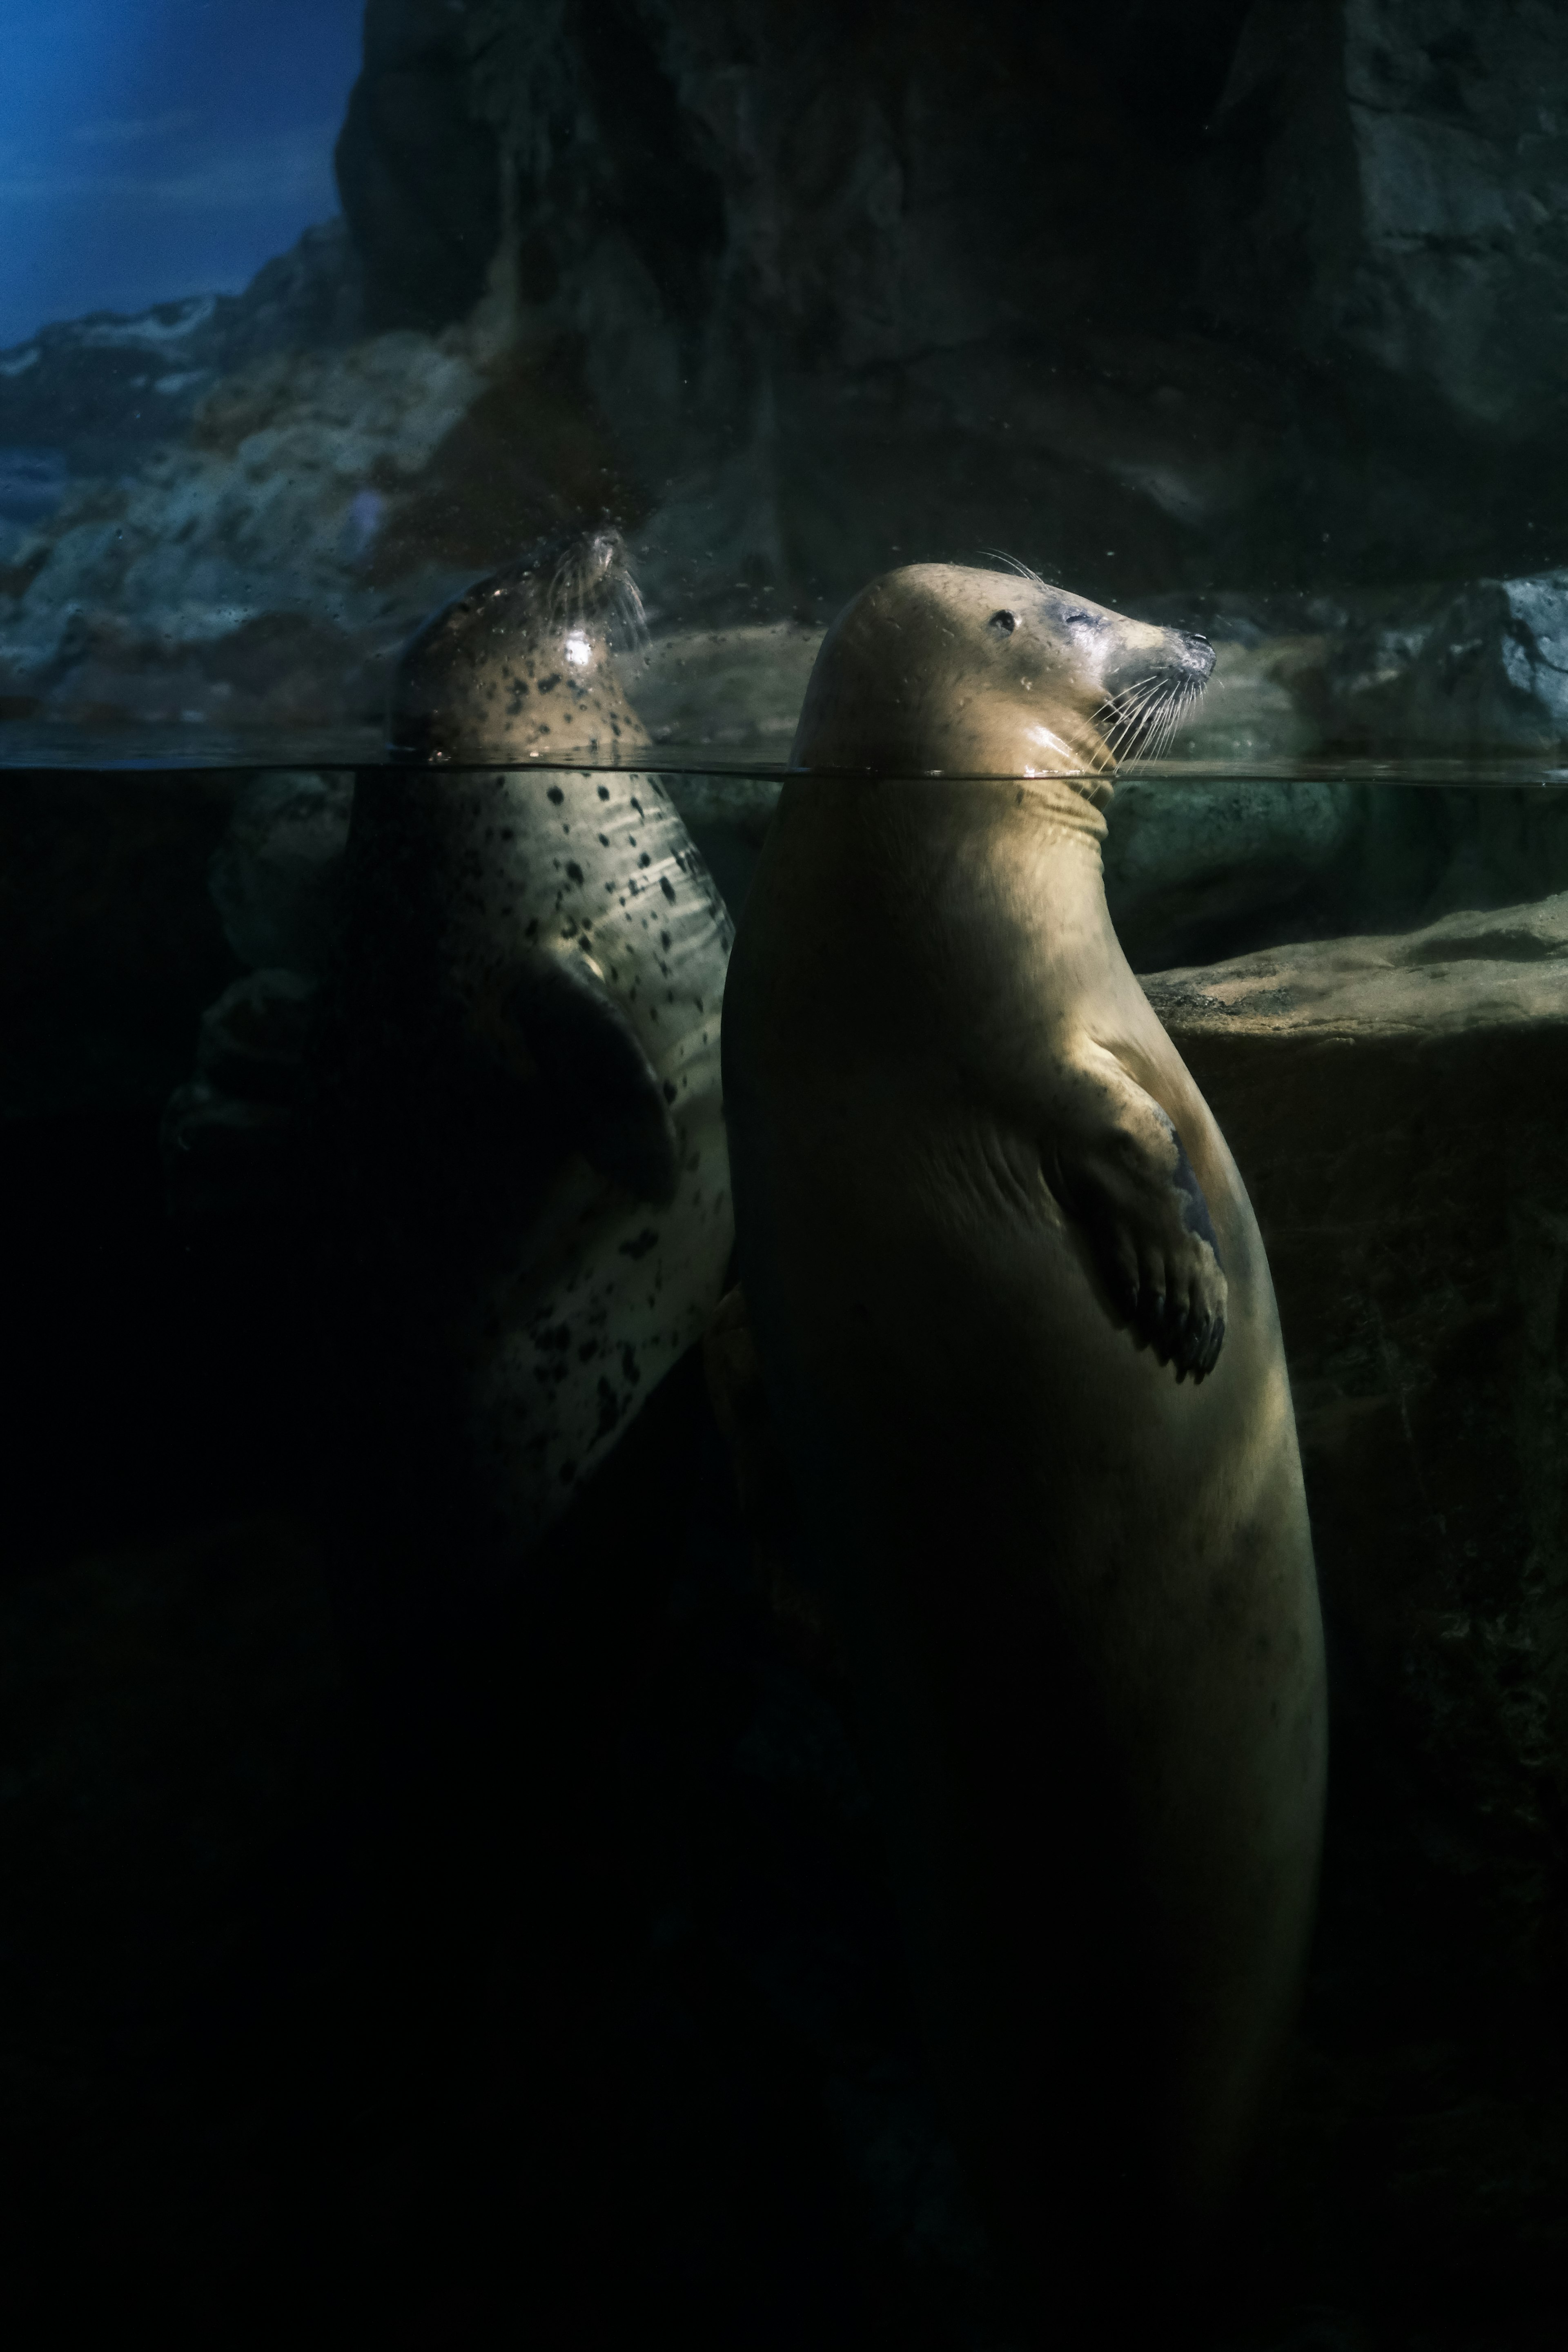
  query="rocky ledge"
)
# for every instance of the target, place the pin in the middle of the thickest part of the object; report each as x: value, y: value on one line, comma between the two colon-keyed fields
x: 1396, y: 1105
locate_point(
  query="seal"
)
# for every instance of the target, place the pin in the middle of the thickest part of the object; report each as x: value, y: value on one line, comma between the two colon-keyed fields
x: 517, y: 1097
x: 1022, y: 1354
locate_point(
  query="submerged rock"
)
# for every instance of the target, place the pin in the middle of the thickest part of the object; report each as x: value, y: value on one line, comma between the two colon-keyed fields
x: 1397, y: 1109
x: 1204, y: 862
x: 111, y: 944
x: 275, y: 878
x: 228, y: 1134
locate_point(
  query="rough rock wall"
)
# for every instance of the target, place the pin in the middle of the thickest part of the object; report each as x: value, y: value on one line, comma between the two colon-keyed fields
x: 1257, y: 300
x: 1410, y: 203
x: 419, y: 172
x: 98, y: 393
x: 1394, y: 1104
x: 1264, y: 295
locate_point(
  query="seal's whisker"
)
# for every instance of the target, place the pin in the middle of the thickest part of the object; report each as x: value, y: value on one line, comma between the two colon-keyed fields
x: 590, y: 573
x: 1012, y: 563
x: 1161, y: 715
x: 1165, y: 721
x: 1123, y: 711
x: 1184, y: 695
x: 1135, y: 706
x: 629, y: 613
x: 1137, y: 724
x: 1124, y: 730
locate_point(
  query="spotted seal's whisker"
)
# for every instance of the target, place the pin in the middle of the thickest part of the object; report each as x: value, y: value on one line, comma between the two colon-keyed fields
x: 590, y: 575
x: 628, y: 619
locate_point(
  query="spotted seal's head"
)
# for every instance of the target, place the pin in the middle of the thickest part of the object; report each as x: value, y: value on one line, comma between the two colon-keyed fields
x: 520, y: 665
x: 945, y: 668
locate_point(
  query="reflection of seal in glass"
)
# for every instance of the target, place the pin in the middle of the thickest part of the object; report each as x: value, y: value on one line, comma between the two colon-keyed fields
x: 521, y: 667
x: 987, y: 1226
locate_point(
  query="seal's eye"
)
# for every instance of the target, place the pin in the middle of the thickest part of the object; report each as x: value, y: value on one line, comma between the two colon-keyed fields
x: 1003, y: 623
x: 1080, y: 620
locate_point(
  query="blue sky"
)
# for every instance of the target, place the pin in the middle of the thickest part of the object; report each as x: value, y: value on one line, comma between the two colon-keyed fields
x: 154, y: 148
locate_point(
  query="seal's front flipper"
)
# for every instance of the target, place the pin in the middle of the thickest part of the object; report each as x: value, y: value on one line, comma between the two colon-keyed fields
x: 1117, y: 1165
x: 590, y: 1057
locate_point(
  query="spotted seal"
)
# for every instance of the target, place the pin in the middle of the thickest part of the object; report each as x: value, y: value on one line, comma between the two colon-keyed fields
x: 1023, y: 1358
x: 518, y: 1093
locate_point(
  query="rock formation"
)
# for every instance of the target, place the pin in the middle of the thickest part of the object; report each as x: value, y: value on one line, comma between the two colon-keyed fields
x: 1396, y: 1106
x: 1249, y: 307
x: 1259, y: 294
x: 96, y: 394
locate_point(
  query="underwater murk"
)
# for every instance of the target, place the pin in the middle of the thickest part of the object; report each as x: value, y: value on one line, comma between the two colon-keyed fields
x: 394, y: 1935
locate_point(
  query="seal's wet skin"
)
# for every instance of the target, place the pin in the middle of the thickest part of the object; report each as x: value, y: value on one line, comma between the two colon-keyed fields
x: 516, y: 1096
x: 1020, y: 1343
x: 520, y: 665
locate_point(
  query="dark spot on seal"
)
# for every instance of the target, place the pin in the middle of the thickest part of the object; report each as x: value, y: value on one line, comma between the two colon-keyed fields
x: 1194, y: 1208
x: 546, y: 683
x: 647, y: 1239
x: 573, y: 871
x: 669, y: 1090
x: 1003, y: 623
x: 666, y: 885
x: 555, y: 795
x: 604, y: 791
x: 664, y: 939
x: 603, y: 841
x: 645, y: 859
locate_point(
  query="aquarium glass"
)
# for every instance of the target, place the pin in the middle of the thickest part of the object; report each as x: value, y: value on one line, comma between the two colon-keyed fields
x: 484, y: 1926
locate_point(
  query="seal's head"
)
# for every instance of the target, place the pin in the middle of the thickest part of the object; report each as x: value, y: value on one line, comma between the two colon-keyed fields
x: 519, y: 665
x: 945, y: 669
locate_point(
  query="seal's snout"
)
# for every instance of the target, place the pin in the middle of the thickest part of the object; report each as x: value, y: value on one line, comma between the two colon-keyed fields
x: 1197, y: 653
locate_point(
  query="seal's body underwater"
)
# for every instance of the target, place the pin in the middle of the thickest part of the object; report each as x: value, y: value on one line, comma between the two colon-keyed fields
x: 520, y: 1083
x: 1020, y: 1343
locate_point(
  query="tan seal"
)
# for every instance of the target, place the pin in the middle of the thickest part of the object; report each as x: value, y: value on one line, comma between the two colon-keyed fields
x: 1022, y: 1353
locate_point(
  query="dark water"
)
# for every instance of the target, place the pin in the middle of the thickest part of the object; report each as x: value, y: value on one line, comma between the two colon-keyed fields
x: 570, y: 2007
